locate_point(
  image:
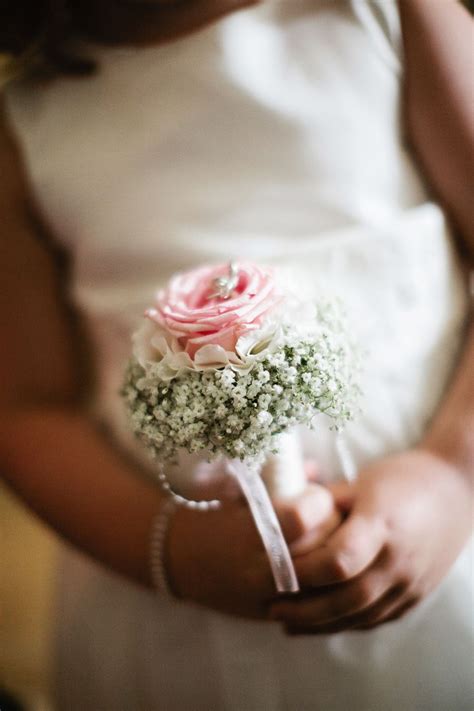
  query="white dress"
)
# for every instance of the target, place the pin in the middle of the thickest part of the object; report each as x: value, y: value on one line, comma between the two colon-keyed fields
x: 274, y: 134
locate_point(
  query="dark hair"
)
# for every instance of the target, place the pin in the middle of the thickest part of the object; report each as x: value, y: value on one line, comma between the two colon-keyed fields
x: 38, y: 36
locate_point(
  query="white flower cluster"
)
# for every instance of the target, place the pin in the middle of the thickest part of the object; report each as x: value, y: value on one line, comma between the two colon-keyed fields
x: 238, y: 412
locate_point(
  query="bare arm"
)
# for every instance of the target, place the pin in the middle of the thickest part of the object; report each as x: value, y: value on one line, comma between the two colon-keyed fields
x: 49, y: 453
x: 439, y: 101
x: 439, y: 113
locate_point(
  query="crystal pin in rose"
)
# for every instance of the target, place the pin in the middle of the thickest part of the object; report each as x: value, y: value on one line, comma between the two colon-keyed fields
x: 225, y: 285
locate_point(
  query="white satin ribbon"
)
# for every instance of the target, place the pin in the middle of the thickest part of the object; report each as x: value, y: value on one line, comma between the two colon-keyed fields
x: 267, y: 524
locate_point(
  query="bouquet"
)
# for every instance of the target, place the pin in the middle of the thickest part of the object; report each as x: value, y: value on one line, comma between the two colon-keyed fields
x: 227, y: 364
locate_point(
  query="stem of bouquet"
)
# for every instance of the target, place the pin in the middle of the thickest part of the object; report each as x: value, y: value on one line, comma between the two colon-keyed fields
x: 282, y: 476
x: 348, y: 465
x: 284, y: 473
x: 267, y: 524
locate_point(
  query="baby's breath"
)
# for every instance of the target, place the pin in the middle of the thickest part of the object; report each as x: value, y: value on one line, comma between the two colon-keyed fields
x: 239, y: 413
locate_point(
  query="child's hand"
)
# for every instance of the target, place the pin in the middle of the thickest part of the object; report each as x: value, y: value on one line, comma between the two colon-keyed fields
x: 409, y: 517
x: 216, y: 558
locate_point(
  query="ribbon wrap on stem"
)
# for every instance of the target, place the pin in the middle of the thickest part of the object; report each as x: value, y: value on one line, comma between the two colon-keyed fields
x: 267, y: 525
x: 284, y: 472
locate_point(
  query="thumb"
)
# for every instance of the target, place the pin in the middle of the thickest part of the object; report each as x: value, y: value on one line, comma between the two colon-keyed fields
x: 344, y: 494
x: 306, y: 512
x: 311, y: 470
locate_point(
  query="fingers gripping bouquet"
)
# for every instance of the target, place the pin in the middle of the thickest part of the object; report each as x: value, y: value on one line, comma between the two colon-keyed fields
x: 226, y: 364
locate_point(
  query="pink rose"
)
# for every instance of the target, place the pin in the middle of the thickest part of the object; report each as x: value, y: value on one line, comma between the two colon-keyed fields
x: 188, y: 310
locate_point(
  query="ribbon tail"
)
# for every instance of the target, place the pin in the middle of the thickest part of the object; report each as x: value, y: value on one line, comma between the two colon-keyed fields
x: 267, y: 525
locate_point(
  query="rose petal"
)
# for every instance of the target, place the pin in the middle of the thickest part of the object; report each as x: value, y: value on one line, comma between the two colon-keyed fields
x: 192, y: 320
x: 225, y: 338
x: 210, y: 355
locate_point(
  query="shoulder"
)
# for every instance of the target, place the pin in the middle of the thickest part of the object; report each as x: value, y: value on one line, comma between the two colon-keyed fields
x: 439, y: 112
x: 431, y: 24
x: 22, y: 232
x: 14, y: 193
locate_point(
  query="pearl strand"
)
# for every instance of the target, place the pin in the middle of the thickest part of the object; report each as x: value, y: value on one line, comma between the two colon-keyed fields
x: 158, y: 535
x: 211, y: 505
x: 159, y: 529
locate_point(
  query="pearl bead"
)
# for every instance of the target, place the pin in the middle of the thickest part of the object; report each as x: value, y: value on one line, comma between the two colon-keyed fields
x: 211, y: 505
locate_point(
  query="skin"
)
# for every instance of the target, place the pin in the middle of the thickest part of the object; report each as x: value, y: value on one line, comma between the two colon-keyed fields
x: 232, y: 578
x: 394, y: 545
x: 409, y: 518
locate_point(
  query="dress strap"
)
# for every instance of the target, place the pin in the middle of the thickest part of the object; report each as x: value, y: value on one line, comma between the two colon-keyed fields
x: 381, y: 20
